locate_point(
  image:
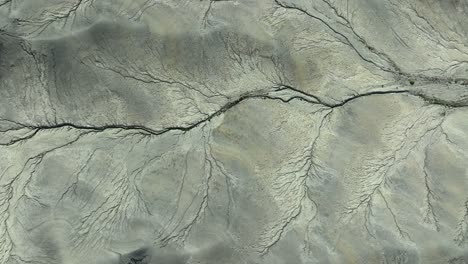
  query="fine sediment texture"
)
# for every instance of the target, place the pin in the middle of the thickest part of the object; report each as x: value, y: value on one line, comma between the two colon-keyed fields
x: 233, y: 131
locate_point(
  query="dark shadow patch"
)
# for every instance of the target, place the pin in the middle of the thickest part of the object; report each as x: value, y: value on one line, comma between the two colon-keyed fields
x: 139, y: 256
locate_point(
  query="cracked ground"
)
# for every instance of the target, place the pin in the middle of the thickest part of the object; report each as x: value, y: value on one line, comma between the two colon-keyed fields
x: 233, y: 131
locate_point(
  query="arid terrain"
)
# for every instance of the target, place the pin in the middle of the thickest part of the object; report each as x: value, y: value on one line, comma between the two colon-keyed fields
x: 233, y: 131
